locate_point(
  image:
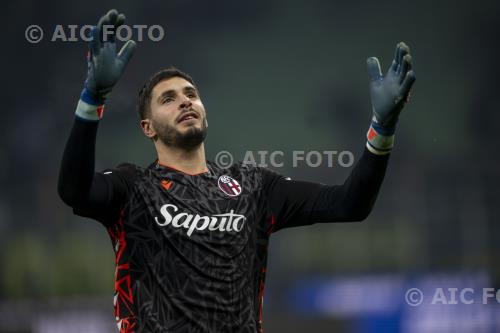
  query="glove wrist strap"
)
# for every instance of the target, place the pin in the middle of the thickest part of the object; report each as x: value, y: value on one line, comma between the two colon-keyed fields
x: 89, y: 108
x: 380, y: 141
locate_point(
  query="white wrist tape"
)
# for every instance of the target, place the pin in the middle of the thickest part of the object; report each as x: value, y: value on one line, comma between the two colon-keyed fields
x: 89, y: 111
x: 377, y: 143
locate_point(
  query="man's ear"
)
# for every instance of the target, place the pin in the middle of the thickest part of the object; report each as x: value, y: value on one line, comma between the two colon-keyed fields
x: 147, y: 128
x: 206, y: 122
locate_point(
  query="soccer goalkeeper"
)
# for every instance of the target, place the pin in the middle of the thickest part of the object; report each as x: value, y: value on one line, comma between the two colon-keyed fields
x: 191, y: 238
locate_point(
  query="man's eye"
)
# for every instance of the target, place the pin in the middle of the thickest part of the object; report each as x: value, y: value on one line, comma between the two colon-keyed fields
x: 191, y: 95
x: 167, y: 100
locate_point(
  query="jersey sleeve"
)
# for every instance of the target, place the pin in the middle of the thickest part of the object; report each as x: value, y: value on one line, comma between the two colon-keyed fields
x: 296, y: 203
x: 290, y: 201
x: 109, y: 193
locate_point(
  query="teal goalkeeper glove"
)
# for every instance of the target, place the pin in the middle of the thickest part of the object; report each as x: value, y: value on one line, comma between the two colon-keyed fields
x: 105, y: 65
x: 390, y: 93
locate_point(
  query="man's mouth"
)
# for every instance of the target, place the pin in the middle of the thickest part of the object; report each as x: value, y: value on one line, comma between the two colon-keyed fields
x: 187, y: 116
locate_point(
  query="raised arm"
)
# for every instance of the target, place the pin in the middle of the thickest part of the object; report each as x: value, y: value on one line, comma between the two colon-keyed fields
x: 79, y: 186
x: 354, y: 200
x: 295, y: 203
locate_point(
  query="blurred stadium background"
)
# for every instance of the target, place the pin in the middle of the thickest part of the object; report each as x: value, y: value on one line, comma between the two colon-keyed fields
x: 274, y: 75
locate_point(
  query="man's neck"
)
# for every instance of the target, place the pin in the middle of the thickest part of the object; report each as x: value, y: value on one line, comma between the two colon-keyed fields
x: 190, y: 162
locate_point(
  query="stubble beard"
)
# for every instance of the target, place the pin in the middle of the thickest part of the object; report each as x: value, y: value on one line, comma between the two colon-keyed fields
x: 189, y: 140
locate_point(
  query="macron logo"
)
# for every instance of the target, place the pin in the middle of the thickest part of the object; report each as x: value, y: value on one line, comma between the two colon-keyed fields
x: 218, y: 222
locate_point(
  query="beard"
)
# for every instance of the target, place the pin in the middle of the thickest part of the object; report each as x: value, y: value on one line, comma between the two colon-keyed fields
x: 191, y: 139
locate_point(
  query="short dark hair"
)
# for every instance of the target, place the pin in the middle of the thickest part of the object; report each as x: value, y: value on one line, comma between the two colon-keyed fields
x: 144, y: 103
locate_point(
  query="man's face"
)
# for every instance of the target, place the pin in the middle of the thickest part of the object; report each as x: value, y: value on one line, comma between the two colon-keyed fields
x: 177, y: 114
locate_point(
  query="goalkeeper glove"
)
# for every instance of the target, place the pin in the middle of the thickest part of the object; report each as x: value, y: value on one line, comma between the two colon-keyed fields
x: 388, y: 95
x: 105, y: 66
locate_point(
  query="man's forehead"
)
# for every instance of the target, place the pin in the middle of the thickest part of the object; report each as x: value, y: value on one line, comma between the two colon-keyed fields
x: 174, y: 83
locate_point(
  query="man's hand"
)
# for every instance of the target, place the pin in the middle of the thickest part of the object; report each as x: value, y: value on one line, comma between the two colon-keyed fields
x: 390, y: 93
x: 105, y: 66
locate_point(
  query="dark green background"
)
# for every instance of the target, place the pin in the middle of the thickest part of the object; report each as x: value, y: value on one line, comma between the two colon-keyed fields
x: 274, y: 75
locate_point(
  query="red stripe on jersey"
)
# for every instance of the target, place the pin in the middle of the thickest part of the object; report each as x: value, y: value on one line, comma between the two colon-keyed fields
x: 124, y: 300
x: 261, y: 296
x: 272, y: 226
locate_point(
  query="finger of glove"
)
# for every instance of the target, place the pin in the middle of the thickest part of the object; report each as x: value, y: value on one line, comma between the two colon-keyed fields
x: 120, y: 20
x: 126, y: 52
x: 113, y: 17
x: 406, y: 65
x: 407, y: 83
x: 104, y: 20
x: 394, y: 64
x: 373, y: 67
x: 107, y: 25
x: 95, y: 41
x: 403, y: 50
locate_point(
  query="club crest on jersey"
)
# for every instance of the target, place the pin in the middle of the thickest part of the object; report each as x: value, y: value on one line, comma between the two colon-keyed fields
x: 229, y: 186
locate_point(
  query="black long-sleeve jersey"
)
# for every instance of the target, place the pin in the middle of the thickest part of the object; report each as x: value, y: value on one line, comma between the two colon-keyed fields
x: 191, y: 250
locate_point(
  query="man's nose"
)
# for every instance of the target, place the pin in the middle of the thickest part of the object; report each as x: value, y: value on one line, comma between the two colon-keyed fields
x: 185, y: 102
